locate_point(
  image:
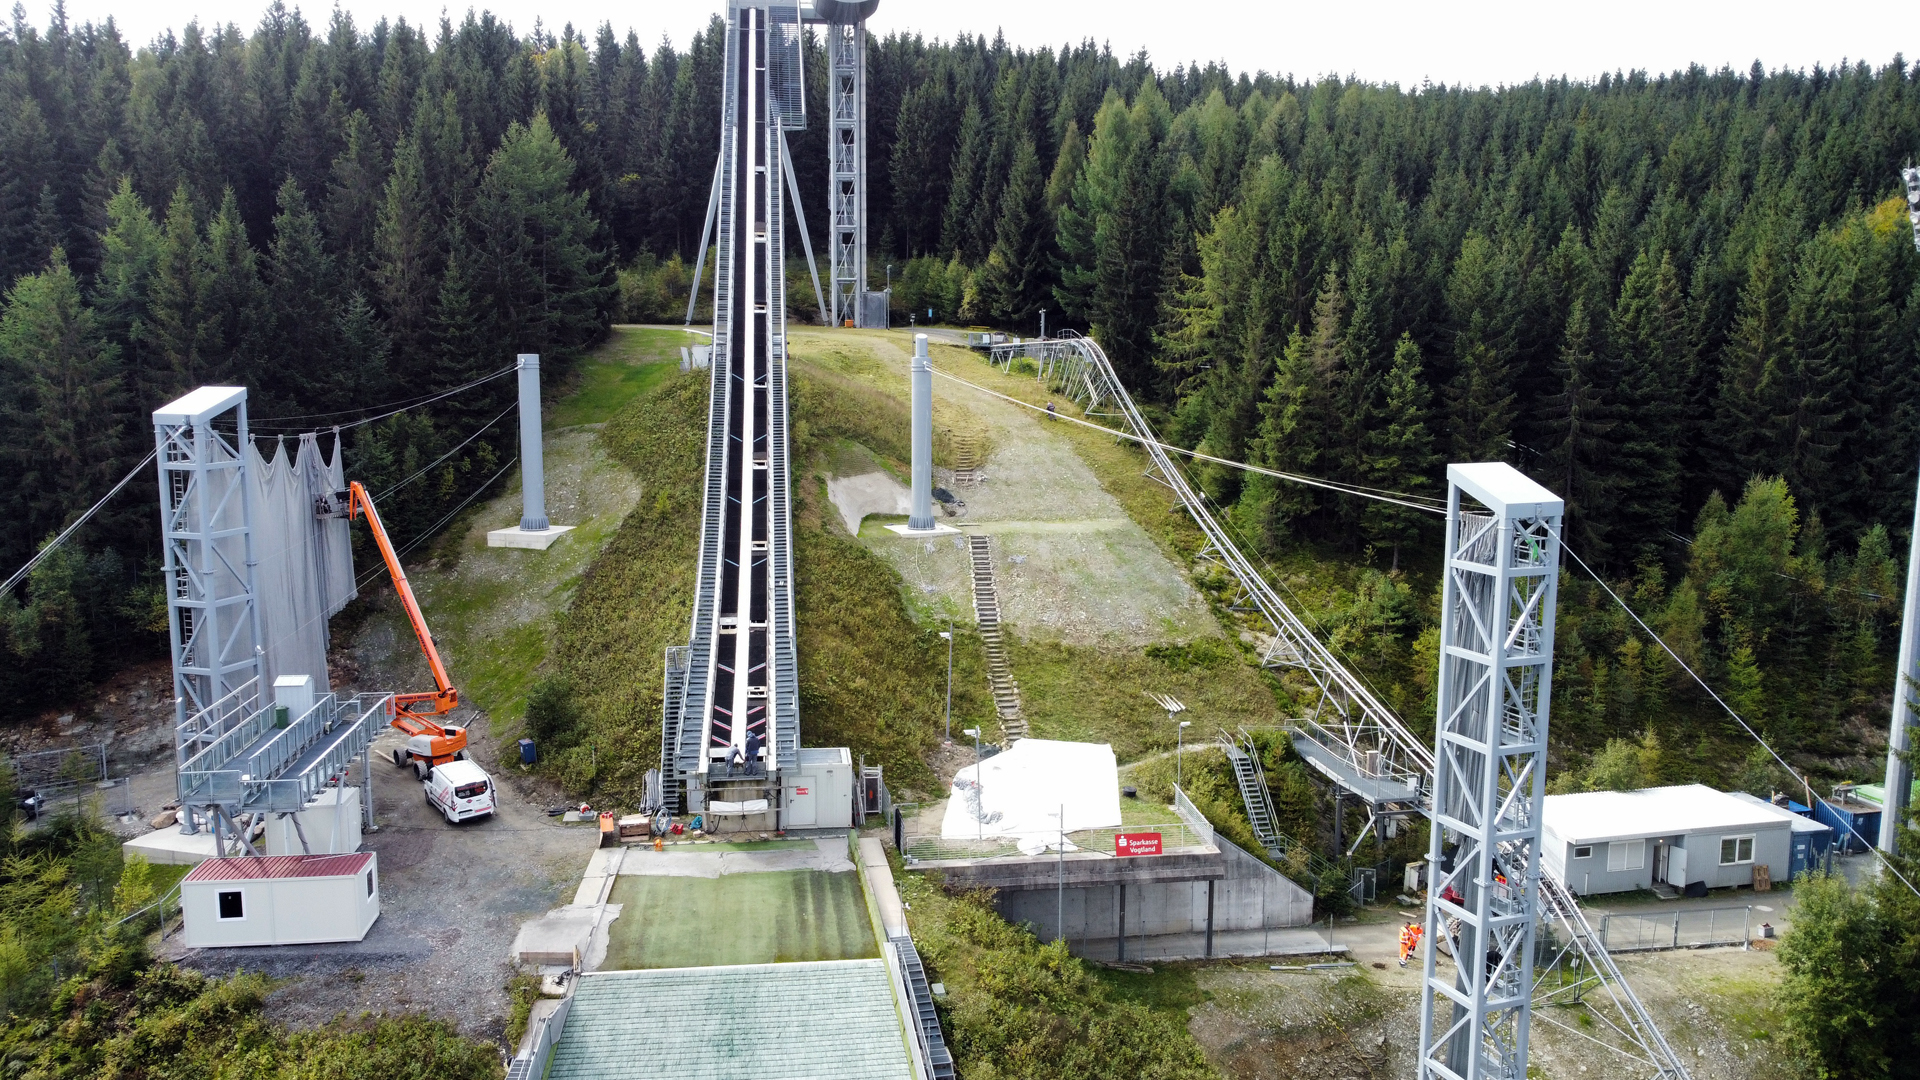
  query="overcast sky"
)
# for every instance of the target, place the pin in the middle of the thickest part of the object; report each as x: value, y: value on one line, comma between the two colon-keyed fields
x: 1477, y: 42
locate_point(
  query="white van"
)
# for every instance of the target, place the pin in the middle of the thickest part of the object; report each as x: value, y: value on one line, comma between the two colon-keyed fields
x: 460, y: 790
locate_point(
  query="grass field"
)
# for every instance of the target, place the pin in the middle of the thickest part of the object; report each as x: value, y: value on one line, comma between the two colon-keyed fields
x: 781, y: 916
x: 634, y: 360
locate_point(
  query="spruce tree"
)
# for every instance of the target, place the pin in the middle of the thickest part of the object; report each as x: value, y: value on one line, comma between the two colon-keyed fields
x: 1650, y: 341
x: 1578, y: 464
x: 353, y: 200
x: 1399, y: 453
x: 175, y: 305
x: 304, y: 298
x: 545, y: 284
x: 1481, y: 403
x: 63, y: 423
x: 969, y: 162
x: 1018, y: 269
x: 404, y: 240
x: 1300, y: 425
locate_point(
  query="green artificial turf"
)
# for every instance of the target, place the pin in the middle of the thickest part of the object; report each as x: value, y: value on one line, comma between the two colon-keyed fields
x: 780, y: 916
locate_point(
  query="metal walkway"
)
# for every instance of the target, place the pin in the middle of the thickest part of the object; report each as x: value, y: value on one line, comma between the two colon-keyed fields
x: 1353, y: 739
x: 1350, y: 721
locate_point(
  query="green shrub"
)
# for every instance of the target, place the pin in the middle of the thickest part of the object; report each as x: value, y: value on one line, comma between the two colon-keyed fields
x: 553, y: 718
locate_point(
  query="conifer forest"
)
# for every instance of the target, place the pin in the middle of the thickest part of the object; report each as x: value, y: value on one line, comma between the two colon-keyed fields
x: 1687, y: 301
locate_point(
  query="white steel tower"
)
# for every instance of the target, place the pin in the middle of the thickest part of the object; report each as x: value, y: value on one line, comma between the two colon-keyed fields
x: 1899, y: 788
x: 1490, y: 746
x: 846, y: 32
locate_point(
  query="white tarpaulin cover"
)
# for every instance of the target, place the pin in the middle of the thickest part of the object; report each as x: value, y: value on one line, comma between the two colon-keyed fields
x: 305, y: 570
x: 1020, y: 792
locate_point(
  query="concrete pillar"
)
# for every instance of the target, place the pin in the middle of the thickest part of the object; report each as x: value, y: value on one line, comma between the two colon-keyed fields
x: 922, y: 512
x: 533, y: 477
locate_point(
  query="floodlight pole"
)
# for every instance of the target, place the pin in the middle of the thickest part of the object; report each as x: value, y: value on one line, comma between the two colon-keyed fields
x: 1179, y: 748
x: 979, y: 788
x: 1060, y: 895
x: 948, y: 736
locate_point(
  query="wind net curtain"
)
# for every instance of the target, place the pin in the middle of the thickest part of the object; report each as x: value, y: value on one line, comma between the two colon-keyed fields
x: 305, y: 571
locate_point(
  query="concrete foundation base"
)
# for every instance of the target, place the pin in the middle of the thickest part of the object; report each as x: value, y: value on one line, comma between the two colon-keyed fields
x: 518, y: 537
x: 937, y: 530
x: 168, y: 847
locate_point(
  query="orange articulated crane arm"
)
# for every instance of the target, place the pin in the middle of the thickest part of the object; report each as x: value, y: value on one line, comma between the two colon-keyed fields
x: 445, y: 698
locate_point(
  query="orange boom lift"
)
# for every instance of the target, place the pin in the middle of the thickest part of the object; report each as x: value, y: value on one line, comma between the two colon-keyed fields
x: 429, y: 743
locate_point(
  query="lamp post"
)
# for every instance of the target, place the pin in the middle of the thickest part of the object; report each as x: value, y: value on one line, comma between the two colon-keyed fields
x: 1060, y: 893
x: 979, y: 789
x: 1043, y: 324
x: 1180, y: 749
x: 1173, y: 707
x: 948, y: 634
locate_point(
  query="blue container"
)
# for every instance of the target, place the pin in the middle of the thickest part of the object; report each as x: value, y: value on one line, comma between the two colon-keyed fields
x: 527, y: 754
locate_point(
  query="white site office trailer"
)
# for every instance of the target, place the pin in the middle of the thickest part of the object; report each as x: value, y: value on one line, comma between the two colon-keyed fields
x: 280, y: 900
x: 1618, y: 841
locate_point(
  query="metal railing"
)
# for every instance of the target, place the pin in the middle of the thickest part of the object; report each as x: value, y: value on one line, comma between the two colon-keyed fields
x: 1687, y: 928
x: 1175, y: 837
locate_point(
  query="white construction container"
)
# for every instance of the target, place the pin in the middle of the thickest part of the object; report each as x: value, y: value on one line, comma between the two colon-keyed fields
x: 331, y: 824
x: 280, y: 900
x: 819, y: 789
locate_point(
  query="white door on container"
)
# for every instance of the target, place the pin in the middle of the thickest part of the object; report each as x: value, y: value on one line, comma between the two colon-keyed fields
x: 1677, y: 868
x: 800, y: 805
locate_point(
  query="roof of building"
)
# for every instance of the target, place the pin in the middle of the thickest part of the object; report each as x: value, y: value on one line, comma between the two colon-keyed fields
x: 254, y: 868
x: 1598, y: 816
x: 829, y: 1018
x: 1797, y: 821
x: 461, y: 772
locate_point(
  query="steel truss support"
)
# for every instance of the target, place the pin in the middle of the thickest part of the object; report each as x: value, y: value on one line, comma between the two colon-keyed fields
x: 207, y: 560
x: 847, y: 167
x: 1496, y: 668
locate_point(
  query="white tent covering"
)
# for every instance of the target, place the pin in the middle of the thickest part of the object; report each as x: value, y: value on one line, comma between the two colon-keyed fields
x: 1021, y: 791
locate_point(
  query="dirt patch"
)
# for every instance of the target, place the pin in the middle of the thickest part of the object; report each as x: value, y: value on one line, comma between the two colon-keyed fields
x: 1070, y: 564
x: 869, y: 493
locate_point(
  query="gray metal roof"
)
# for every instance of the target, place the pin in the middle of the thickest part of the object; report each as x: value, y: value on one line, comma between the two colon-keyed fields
x: 830, y: 1019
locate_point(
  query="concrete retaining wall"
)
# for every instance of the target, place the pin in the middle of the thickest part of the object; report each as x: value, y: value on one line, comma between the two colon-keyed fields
x: 1252, y: 896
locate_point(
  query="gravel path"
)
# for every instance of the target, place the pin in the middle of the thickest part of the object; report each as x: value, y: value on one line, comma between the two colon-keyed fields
x: 452, y: 898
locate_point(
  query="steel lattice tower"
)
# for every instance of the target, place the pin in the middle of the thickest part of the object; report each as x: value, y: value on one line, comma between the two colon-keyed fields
x: 1490, y: 744
x: 206, y: 522
x: 847, y: 161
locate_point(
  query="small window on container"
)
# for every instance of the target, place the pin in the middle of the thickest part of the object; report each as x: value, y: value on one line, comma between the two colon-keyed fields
x: 233, y: 905
x: 1584, y: 851
x: 369, y: 883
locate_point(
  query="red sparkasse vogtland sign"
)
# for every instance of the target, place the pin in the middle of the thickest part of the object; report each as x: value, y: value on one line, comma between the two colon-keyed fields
x: 1136, y: 843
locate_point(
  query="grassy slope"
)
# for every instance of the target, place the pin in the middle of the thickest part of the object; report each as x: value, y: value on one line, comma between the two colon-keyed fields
x: 1017, y: 1008
x: 637, y: 597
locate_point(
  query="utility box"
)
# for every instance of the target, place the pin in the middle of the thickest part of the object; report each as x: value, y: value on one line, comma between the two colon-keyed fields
x: 280, y: 900
x: 818, y: 793
x: 330, y: 823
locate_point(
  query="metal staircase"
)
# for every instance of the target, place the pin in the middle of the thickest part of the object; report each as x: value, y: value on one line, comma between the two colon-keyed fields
x: 1253, y: 792
x: 986, y: 613
x: 939, y: 1058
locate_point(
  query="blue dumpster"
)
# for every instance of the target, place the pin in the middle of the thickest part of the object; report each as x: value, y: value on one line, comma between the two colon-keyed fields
x: 527, y: 754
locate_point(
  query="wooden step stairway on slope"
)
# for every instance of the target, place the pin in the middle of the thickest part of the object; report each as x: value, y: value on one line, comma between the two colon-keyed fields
x: 969, y: 454
x: 986, y: 613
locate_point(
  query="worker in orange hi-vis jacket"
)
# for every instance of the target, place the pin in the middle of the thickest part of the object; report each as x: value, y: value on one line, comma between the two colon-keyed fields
x: 1409, y: 941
